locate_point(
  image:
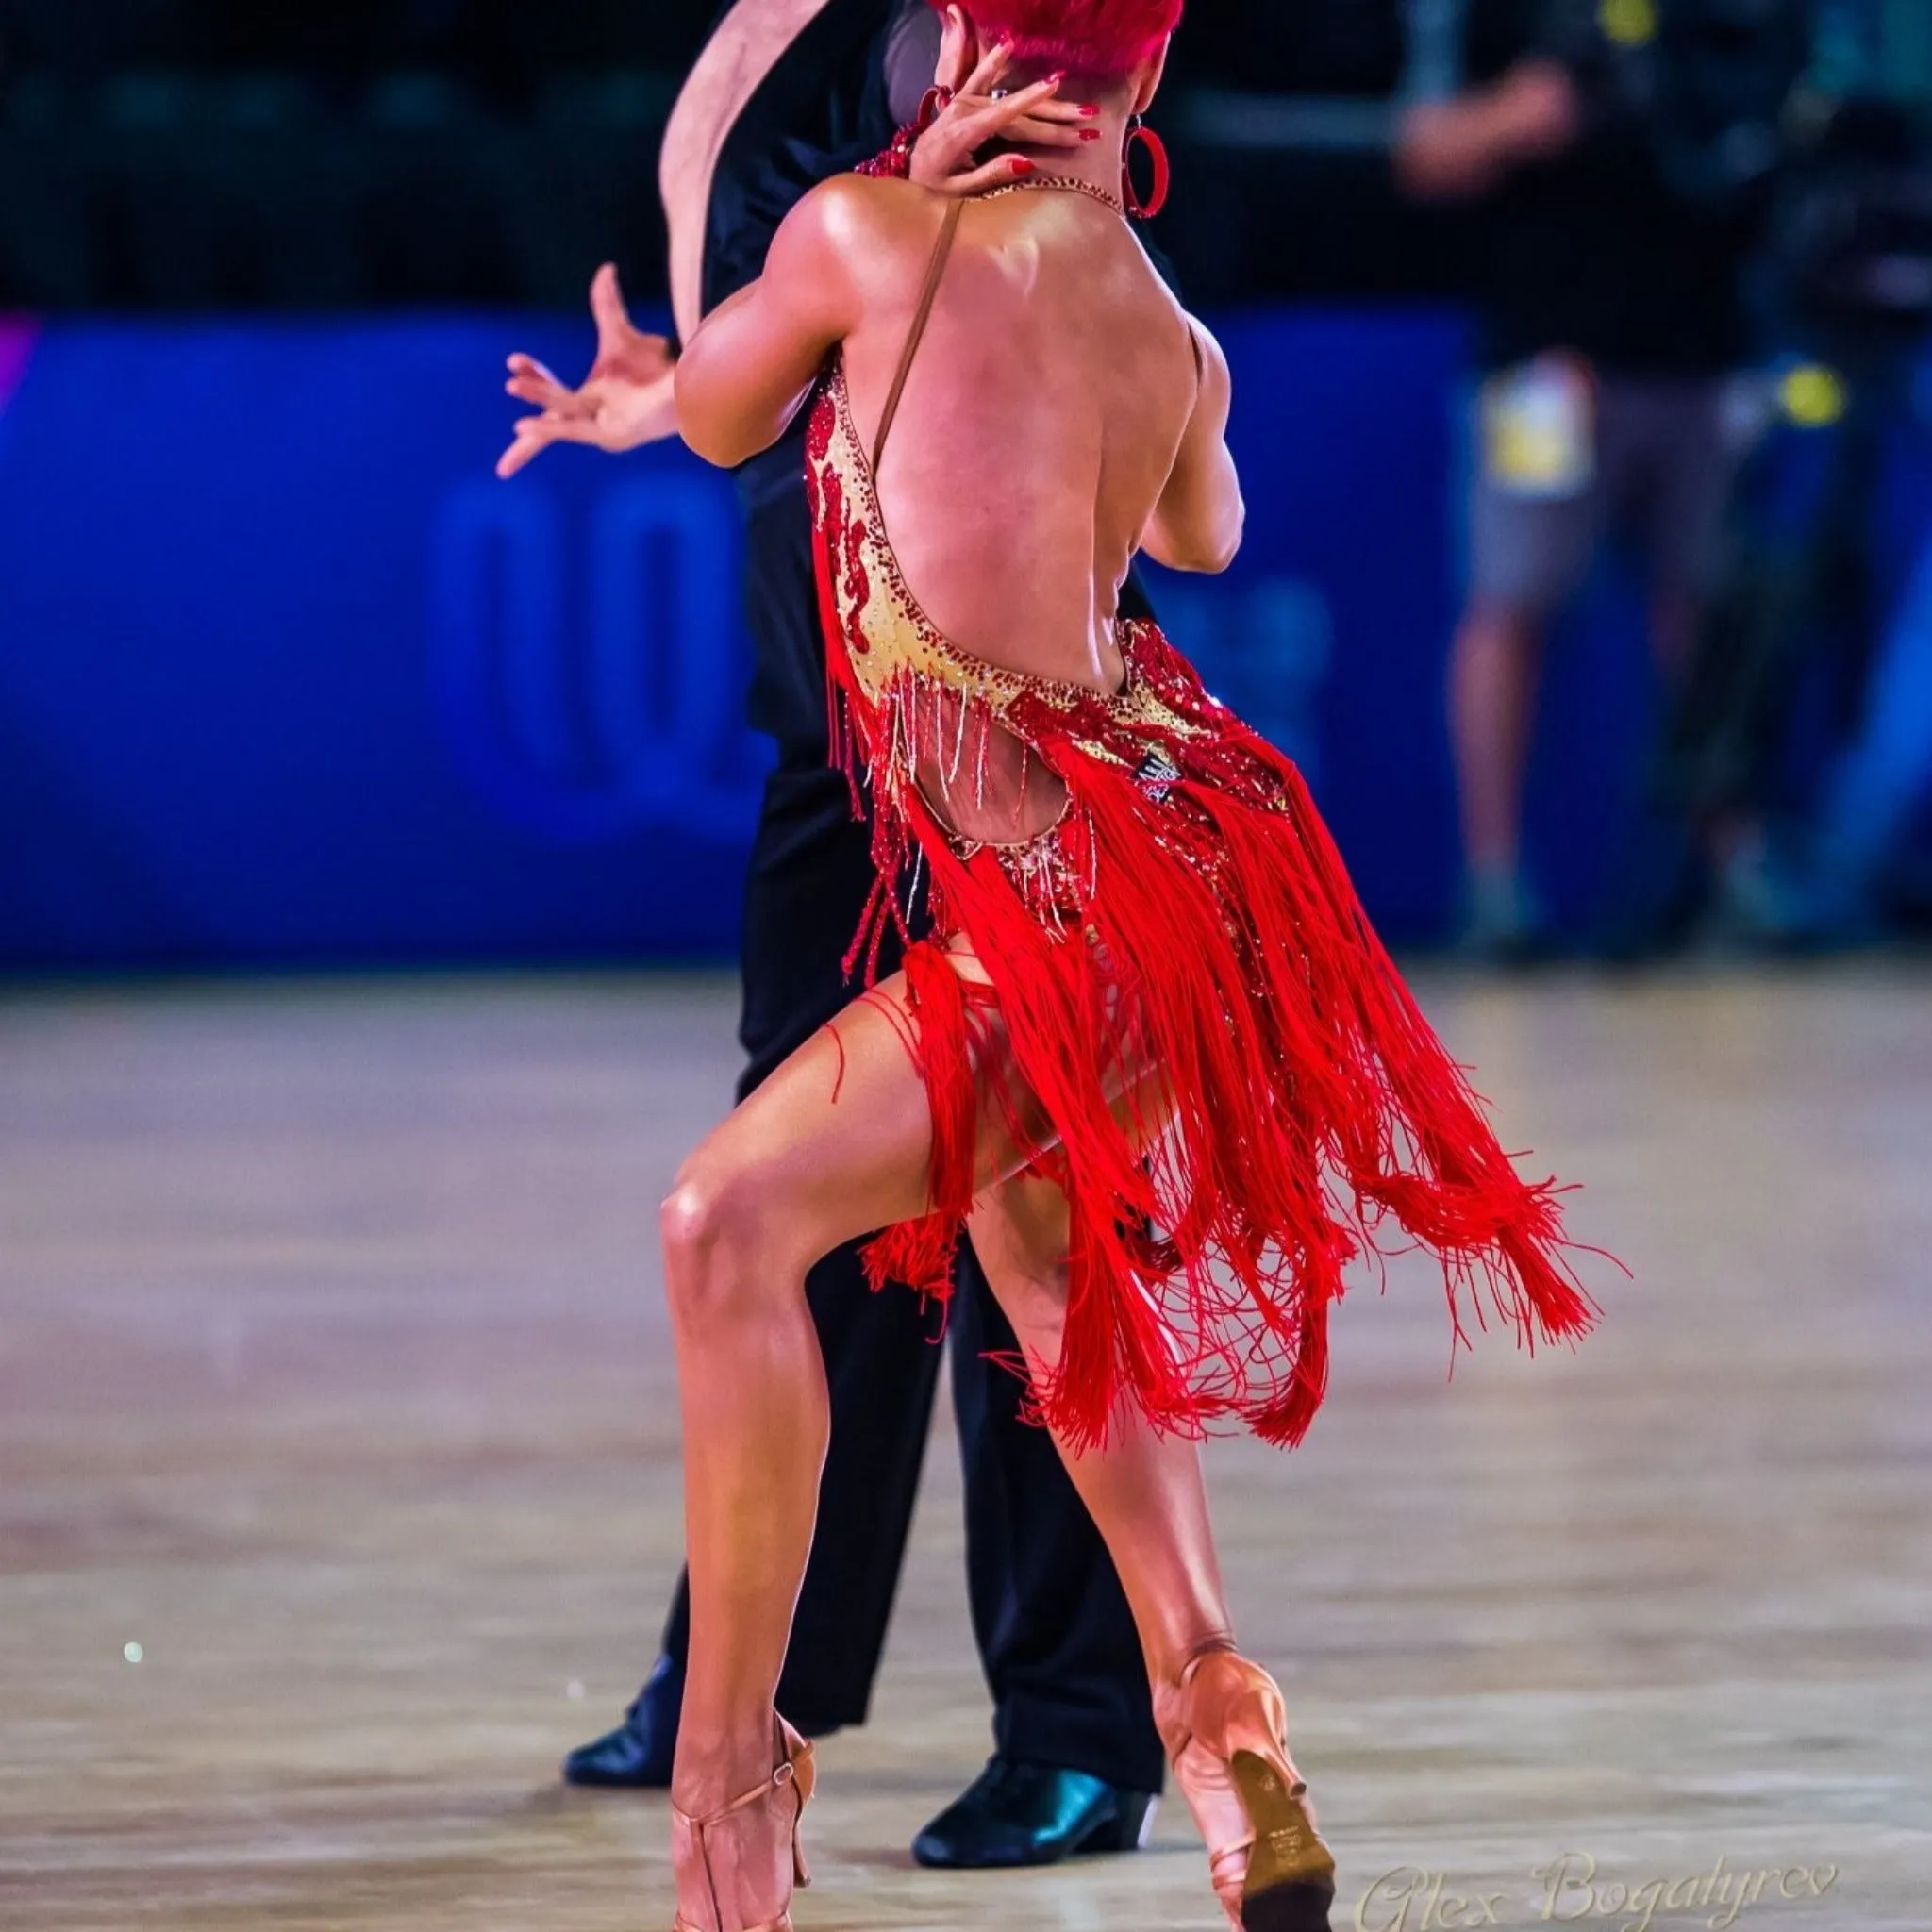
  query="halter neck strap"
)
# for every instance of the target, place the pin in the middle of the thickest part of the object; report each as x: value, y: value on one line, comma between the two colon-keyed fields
x: 935, y: 273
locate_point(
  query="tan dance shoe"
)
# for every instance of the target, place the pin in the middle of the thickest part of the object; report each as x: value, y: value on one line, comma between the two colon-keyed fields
x: 1225, y: 1728
x: 743, y: 1881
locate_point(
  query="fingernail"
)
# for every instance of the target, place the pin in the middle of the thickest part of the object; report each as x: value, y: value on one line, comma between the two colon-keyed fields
x: 1089, y: 134
x: 1088, y: 110
x: 1055, y: 79
x: 1021, y: 165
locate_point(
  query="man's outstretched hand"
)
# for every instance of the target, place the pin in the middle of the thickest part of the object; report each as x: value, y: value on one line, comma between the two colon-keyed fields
x: 628, y: 400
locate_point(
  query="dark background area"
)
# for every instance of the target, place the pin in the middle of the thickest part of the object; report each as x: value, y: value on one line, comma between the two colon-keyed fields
x: 507, y: 48
x: 288, y: 676
x: 339, y: 153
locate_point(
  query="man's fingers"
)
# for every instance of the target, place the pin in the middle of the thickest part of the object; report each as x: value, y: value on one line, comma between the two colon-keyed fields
x: 528, y: 446
x: 544, y: 392
x: 535, y: 434
x: 606, y: 306
x: 554, y: 429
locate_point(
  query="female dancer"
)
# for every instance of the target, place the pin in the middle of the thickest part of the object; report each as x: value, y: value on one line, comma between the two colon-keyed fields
x: 1155, y: 1060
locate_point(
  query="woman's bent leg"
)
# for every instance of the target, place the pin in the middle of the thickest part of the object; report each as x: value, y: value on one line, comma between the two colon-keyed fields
x: 1220, y: 1717
x: 1143, y: 1489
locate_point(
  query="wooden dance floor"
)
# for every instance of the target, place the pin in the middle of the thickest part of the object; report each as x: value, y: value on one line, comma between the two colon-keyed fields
x: 334, y: 1376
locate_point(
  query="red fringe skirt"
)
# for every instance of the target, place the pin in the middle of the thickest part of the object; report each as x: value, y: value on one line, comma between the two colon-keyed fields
x: 1189, y: 917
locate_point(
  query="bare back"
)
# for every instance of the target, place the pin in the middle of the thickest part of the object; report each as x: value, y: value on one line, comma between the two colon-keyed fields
x: 1040, y: 420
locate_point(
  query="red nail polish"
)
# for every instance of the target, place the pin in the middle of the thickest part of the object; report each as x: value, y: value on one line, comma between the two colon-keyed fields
x: 1089, y: 134
x: 1055, y: 79
x: 1087, y: 109
x: 1023, y: 166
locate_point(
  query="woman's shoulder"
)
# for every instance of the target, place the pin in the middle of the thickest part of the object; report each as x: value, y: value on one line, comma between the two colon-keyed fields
x: 859, y: 216
x: 850, y: 235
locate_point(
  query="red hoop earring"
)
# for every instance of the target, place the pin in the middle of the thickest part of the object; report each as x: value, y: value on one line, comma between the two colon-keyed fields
x: 938, y: 99
x: 1137, y: 131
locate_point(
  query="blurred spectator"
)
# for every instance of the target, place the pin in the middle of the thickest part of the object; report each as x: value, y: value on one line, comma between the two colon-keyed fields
x: 1886, y: 775
x: 1796, y: 638
x: 1856, y: 252
x: 1624, y: 150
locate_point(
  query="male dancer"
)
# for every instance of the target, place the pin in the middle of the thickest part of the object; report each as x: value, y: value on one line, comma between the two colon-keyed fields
x: 787, y: 93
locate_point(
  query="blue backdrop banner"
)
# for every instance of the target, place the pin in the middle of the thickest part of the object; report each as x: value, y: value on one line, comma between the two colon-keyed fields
x: 287, y: 678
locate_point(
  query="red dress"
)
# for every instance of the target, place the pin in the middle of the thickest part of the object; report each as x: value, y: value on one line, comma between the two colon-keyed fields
x: 1189, y: 918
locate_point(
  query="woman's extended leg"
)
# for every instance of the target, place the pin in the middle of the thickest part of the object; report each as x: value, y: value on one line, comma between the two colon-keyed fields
x: 836, y: 1144
x: 833, y: 1145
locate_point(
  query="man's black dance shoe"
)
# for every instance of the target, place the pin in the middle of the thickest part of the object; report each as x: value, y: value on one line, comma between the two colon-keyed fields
x: 637, y: 1755
x: 1027, y: 1815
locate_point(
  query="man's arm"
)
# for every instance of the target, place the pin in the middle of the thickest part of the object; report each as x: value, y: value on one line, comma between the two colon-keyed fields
x: 753, y: 362
x: 746, y: 46
x: 1197, y: 523
x: 630, y: 397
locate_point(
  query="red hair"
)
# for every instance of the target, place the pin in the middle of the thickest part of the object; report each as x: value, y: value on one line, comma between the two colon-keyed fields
x: 1098, y: 37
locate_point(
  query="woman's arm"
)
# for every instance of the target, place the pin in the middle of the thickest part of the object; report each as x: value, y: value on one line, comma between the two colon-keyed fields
x: 744, y: 373
x: 1197, y: 523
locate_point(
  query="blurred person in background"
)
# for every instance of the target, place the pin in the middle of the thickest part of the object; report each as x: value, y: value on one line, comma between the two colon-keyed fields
x: 1800, y: 646
x: 789, y: 93
x: 1799, y: 741
x: 1623, y: 151
x: 1876, y: 788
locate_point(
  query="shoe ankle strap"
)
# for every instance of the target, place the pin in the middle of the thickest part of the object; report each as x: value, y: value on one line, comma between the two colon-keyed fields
x: 783, y: 1774
x: 795, y: 1752
x: 1208, y: 1647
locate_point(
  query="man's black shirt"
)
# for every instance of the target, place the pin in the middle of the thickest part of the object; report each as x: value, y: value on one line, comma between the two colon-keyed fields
x: 820, y: 111
x: 826, y: 107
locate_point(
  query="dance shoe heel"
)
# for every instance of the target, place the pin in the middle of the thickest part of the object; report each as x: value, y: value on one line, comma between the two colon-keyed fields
x: 692, y: 1852
x: 1225, y: 1730
x: 1289, y: 1883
